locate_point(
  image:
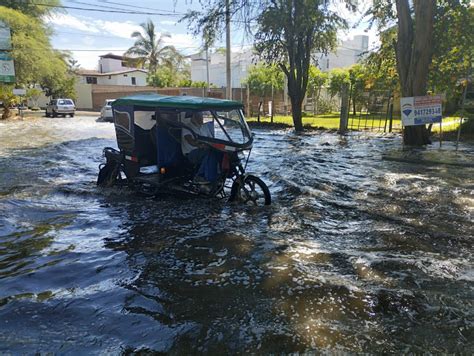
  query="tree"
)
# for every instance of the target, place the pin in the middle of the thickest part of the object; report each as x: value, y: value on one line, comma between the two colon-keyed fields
x: 381, y: 65
x: 453, y: 49
x: 452, y: 52
x: 414, y: 50
x: 150, y: 51
x: 317, y: 79
x: 8, y: 99
x: 264, y: 80
x: 357, y: 77
x: 34, y: 94
x: 422, y: 31
x: 36, y: 62
x: 288, y: 32
x: 163, y: 77
x: 37, y: 8
x: 338, y: 77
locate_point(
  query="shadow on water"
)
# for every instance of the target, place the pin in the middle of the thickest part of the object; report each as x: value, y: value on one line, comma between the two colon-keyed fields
x: 356, y: 254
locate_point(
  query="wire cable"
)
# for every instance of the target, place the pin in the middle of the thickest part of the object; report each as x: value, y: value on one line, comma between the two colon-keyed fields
x: 107, y: 11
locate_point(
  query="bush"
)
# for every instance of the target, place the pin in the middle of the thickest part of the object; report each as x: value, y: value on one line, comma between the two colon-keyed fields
x: 326, y: 106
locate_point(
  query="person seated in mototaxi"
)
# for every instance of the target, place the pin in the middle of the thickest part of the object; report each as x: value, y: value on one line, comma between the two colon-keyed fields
x: 198, y: 153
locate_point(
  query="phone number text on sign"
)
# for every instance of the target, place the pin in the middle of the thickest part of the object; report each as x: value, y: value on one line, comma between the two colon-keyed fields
x: 421, y: 110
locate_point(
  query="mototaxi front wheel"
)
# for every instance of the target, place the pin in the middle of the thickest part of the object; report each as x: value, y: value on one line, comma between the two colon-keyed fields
x: 250, y: 190
x: 109, y: 174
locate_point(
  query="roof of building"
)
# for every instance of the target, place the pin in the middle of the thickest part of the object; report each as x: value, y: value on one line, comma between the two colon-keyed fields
x: 88, y: 72
x: 112, y: 56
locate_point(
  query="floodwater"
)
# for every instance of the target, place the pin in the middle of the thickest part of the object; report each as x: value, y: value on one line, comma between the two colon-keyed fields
x: 356, y: 253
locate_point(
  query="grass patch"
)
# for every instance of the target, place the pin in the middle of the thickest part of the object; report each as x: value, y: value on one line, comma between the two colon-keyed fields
x: 330, y: 121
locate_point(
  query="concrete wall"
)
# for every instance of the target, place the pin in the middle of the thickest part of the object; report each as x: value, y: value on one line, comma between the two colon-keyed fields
x: 83, y: 96
x: 110, y: 65
x: 123, y: 79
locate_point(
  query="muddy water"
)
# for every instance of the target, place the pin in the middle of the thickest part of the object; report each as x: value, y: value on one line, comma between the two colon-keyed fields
x: 356, y: 253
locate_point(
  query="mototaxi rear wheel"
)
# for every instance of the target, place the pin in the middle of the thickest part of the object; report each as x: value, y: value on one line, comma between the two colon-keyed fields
x: 250, y: 190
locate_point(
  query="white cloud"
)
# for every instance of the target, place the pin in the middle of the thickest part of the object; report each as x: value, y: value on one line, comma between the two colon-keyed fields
x: 88, y: 24
x: 182, y: 41
x: 119, y: 29
x: 73, y: 22
x: 88, y: 41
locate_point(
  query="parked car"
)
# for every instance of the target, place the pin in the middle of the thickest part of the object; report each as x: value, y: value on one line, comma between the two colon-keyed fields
x: 106, y: 111
x: 60, y: 107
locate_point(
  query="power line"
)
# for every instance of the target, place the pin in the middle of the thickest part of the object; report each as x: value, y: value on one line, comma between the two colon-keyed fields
x: 116, y: 8
x: 108, y: 11
x: 137, y: 7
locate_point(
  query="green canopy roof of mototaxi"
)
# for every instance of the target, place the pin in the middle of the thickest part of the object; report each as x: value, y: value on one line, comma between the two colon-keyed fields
x: 179, y: 102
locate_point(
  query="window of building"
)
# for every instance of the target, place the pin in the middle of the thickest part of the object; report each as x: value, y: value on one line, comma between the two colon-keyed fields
x: 327, y: 63
x: 110, y: 77
x: 91, y: 80
x: 134, y: 81
x: 125, y: 75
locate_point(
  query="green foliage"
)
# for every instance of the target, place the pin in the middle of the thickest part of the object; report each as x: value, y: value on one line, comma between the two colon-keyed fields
x: 36, y: 62
x: 36, y: 8
x: 149, y: 49
x: 163, y: 77
x: 198, y: 84
x: 185, y: 83
x: 59, y: 85
x: 453, y: 48
x: 337, y: 78
x: 7, y: 98
x: 34, y: 94
x: 381, y: 65
x: 358, y: 76
x: 317, y: 78
x: 288, y: 32
x: 261, y: 78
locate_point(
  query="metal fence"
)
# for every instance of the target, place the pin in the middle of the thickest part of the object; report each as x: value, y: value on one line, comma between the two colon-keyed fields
x: 374, y: 112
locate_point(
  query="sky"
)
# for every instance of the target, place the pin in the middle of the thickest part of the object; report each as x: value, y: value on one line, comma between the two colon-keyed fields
x: 88, y: 34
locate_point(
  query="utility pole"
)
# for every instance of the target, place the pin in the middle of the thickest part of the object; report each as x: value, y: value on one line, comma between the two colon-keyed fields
x: 207, y: 70
x: 227, y: 52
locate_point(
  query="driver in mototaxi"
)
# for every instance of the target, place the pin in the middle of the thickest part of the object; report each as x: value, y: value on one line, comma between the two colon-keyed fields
x: 198, y: 153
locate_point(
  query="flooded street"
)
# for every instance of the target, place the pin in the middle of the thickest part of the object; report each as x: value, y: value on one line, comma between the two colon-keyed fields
x: 355, y: 254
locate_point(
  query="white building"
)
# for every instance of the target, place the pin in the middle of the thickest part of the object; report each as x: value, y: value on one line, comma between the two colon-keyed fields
x: 240, y: 63
x: 122, y: 77
x: 348, y: 53
x: 113, y: 70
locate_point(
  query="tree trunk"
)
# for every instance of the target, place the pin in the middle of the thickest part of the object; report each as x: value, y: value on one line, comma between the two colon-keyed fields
x: 414, y: 54
x: 6, y: 112
x: 297, y: 113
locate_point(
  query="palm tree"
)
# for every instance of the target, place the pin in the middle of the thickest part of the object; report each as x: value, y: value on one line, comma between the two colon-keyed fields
x: 149, y: 49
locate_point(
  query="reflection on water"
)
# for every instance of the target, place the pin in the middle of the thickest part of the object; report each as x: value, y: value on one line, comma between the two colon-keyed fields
x: 356, y: 253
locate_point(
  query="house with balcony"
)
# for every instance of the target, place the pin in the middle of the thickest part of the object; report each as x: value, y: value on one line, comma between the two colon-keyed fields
x: 115, y: 76
x: 113, y: 70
